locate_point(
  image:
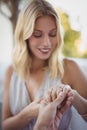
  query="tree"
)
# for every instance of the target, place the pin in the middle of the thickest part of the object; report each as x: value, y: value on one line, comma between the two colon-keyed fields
x: 13, y: 6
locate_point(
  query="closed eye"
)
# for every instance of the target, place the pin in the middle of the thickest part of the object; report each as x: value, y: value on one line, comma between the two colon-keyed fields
x: 37, y: 34
x: 53, y: 33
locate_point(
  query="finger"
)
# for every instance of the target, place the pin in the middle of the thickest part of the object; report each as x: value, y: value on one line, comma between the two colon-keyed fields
x: 66, y: 102
x: 71, y: 93
x: 70, y: 99
x: 70, y: 96
x: 59, y: 115
x: 59, y: 89
x: 53, y: 94
x: 48, y: 96
x: 67, y: 88
x: 65, y: 107
x: 60, y: 98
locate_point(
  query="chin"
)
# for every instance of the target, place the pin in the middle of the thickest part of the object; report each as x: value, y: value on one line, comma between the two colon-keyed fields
x: 45, y: 58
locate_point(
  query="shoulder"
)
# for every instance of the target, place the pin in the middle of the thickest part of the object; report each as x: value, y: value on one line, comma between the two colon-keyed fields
x: 73, y: 72
x: 70, y: 63
x: 74, y: 76
x: 71, y: 66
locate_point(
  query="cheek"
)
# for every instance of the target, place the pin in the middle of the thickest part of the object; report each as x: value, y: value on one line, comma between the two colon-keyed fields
x: 54, y: 43
x: 31, y: 42
x: 34, y: 42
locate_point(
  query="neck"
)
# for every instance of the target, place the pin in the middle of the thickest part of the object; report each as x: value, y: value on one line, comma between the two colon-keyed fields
x: 38, y: 64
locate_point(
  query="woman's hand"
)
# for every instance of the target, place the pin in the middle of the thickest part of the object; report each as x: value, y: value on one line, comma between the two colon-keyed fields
x: 33, y: 108
x: 54, y: 93
x: 48, y: 111
x: 68, y: 92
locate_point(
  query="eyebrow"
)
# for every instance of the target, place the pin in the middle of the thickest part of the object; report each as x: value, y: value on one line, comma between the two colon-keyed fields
x: 36, y: 30
x: 53, y: 29
x: 41, y: 31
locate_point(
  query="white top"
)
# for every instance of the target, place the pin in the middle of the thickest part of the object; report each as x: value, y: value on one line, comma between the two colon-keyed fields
x: 19, y: 99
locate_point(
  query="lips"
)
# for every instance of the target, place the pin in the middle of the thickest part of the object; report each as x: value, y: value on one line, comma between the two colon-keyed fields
x: 44, y: 50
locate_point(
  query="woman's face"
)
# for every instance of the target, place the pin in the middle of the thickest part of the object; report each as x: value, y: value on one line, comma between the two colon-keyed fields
x: 44, y: 38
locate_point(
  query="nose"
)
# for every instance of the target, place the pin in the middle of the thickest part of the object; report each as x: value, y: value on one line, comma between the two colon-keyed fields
x: 46, y: 41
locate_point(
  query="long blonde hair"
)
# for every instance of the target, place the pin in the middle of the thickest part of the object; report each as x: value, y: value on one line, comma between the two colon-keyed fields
x: 24, y: 29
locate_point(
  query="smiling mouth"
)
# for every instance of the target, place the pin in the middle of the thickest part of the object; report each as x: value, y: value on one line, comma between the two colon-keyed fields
x: 44, y: 50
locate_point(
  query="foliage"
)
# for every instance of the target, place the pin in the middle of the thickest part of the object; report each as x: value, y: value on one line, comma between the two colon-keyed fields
x: 85, y: 54
x: 71, y: 37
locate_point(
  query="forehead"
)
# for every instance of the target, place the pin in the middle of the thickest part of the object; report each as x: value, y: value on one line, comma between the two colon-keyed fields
x: 45, y: 21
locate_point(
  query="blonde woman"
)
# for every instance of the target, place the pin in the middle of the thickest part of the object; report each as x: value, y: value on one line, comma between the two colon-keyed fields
x: 37, y: 66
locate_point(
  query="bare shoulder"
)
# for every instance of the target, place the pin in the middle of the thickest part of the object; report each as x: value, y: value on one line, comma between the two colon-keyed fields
x: 72, y: 67
x: 71, y: 64
x: 74, y: 76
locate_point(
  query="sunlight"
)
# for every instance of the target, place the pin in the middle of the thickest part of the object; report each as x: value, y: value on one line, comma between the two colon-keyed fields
x: 77, y: 16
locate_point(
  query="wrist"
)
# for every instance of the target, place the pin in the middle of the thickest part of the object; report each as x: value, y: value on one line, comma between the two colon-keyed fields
x: 80, y: 104
x: 75, y: 96
x: 26, y: 114
x: 38, y: 126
